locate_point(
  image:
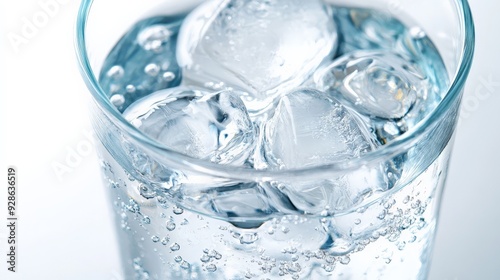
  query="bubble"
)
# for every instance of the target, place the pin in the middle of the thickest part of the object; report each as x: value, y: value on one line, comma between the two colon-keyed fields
x: 117, y: 100
x: 185, y: 265
x: 394, y: 236
x: 146, y: 220
x: 417, y: 32
x: 146, y: 191
x: 130, y: 88
x: 171, y: 225
x: 155, y: 238
x: 178, y: 259
x: 211, y: 268
x: 330, y: 259
x: 382, y: 215
x: 328, y: 268
x: 357, y: 221
x: 175, y: 247
x: 116, y: 72
x: 177, y: 210
x: 153, y: 37
x: 248, y: 238
x: 165, y: 240
x: 168, y: 76
x: 421, y: 223
x: 205, y: 258
x: 406, y: 199
x: 345, y: 260
x: 152, y: 69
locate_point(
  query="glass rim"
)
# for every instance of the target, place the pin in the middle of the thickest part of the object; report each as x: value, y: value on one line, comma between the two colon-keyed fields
x: 383, y: 153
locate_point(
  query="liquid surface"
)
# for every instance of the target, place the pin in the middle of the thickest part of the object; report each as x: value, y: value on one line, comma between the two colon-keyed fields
x: 246, y: 83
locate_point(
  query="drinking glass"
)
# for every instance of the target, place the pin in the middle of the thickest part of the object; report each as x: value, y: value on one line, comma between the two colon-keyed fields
x: 167, y: 205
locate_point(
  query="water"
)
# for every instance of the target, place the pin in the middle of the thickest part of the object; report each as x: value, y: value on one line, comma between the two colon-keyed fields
x: 274, y: 85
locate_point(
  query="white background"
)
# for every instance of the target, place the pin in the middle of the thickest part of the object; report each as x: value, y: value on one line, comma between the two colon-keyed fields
x: 65, y: 230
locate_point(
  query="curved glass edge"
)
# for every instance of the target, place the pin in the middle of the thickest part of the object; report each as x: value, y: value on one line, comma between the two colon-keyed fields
x: 390, y: 150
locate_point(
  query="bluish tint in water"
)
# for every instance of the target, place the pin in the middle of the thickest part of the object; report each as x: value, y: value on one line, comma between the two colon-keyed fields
x: 142, y: 62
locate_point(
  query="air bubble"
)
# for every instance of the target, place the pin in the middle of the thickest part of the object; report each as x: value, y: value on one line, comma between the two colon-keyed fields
x: 116, y: 72
x: 165, y: 240
x: 417, y: 32
x: 146, y: 220
x: 205, y: 258
x: 152, y: 69
x: 421, y: 223
x: 185, y: 265
x: 154, y: 37
x: 146, y: 192
x: 177, y: 210
x: 328, y: 268
x: 381, y: 215
x: 406, y: 199
x: 175, y: 247
x: 117, y: 100
x: 345, y: 260
x: 168, y: 76
x: 211, y: 268
x: 155, y: 238
x: 171, y: 225
x: 130, y: 88
x: 178, y: 259
x: 248, y: 238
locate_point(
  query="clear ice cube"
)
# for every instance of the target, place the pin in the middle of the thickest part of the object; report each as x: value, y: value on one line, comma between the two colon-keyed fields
x: 263, y: 47
x: 142, y: 62
x: 213, y: 126
x: 310, y: 128
x: 378, y: 84
x: 337, y: 194
x: 364, y: 29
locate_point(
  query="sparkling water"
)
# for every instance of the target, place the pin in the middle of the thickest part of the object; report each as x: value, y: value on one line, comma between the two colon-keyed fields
x: 273, y: 85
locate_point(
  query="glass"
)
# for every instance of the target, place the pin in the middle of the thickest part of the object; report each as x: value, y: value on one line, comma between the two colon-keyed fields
x: 167, y: 235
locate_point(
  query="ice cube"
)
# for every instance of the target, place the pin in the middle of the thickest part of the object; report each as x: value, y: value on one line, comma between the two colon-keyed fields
x: 142, y: 62
x: 310, y: 128
x: 376, y: 83
x: 263, y: 47
x: 364, y: 29
x: 338, y: 193
x: 213, y: 126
